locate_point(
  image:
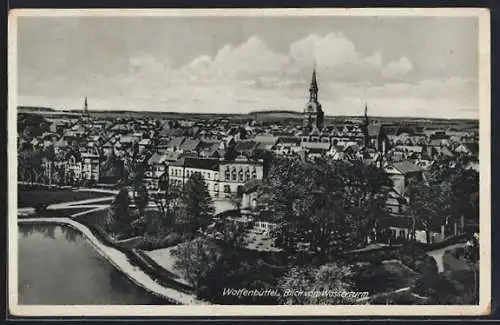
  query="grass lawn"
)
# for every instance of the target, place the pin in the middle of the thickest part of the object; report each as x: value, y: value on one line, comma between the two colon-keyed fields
x: 94, y: 218
x: 28, y: 197
x: 165, y: 259
x: 384, y: 277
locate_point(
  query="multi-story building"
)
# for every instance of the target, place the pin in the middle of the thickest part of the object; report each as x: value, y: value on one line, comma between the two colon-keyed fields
x: 90, y: 167
x: 180, y: 171
x: 158, y: 166
x: 234, y: 175
x: 224, y: 179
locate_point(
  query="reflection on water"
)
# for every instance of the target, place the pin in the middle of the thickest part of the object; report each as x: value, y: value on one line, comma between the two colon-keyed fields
x: 58, y: 266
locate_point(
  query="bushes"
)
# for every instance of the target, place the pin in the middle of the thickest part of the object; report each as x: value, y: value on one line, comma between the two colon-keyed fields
x: 412, y: 255
x: 151, y: 243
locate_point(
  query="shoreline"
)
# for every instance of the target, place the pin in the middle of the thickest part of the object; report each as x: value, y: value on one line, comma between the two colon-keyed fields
x: 122, y: 263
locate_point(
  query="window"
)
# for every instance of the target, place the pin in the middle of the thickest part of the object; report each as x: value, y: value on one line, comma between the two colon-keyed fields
x: 247, y: 174
x: 227, y: 174
x: 239, y: 191
x: 233, y: 174
x: 240, y: 175
x: 227, y: 189
x: 254, y: 173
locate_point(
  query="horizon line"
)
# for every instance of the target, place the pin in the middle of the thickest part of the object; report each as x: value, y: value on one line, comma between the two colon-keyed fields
x: 271, y: 111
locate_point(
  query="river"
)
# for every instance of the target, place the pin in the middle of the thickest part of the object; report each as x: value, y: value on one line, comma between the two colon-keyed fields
x: 58, y: 266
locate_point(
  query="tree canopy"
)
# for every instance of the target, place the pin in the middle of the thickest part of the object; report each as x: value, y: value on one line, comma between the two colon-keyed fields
x: 198, y: 204
x: 327, y: 206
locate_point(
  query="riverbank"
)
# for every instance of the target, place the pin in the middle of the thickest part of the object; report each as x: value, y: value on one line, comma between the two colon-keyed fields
x: 122, y: 262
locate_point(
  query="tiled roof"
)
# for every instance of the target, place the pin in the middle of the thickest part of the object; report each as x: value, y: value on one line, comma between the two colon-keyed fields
x: 172, y: 156
x: 406, y: 167
x: 251, y: 185
x: 61, y: 143
x: 317, y: 145
x: 292, y: 140
x: 176, y: 142
x: 198, y: 163
x: 190, y: 144
x: 157, y: 158
x: 245, y: 145
x: 266, y: 139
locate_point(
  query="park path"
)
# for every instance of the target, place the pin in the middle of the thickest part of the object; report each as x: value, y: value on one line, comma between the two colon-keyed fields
x: 65, y: 205
x: 120, y: 261
x: 438, y: 254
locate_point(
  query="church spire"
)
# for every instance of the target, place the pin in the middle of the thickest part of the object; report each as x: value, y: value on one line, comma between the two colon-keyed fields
x: 367, y: 121
x: 313, y: 90
x: 85, y: 107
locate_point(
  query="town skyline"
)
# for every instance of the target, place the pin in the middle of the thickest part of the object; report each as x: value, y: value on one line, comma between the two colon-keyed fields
x: 254, y: 67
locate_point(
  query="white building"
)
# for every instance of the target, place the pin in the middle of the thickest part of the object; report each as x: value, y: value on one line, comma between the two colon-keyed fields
x: 180, y: 171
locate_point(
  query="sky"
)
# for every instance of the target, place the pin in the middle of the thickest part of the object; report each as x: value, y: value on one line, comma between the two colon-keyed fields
x: 398, y: 66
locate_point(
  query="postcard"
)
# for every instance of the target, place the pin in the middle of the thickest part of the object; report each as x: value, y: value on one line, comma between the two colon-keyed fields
x: 249, y: 162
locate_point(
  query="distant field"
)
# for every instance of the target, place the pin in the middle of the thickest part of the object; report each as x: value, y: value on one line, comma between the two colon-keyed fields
x: 258, y: 115
x: 28, y: 197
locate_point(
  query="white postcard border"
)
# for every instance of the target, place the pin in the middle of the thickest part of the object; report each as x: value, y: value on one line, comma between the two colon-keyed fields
x: 218, y: 310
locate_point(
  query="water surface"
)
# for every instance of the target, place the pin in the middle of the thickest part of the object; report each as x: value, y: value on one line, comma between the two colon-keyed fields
x: 58, y: 266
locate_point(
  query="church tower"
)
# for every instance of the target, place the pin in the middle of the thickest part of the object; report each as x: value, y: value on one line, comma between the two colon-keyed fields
x: 314, y: 114
x: 85, y: 108
x: 365, y: 125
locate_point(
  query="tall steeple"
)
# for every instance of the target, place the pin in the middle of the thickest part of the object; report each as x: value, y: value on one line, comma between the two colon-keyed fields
x: 85, y: 108
x: 365, y: 124
x: 314, y: 115
x: 313, y: 89
x: 367, y: 121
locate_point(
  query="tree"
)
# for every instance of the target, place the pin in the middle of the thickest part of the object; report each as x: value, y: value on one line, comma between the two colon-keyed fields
x: 449, y: 190
x: 326, y: 206
x: 365, y: 191
x: 233, y: 270
x: 112, y: 168
x: 328, y: 284
x: 235, y: 200
x: 198, y: 204
x: 426, y: 206
x: 166, y: 199
x: 141, y: 198
x: 157, y: 225
x: 30, y: 165
x: 267, y: 157
x: 231, y: 152
x: 119, y: 216
x: 195, y: 259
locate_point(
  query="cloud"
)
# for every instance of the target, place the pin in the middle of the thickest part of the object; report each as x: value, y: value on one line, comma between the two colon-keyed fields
x: 252, y: 76
x: 248, y: 60
x: 397, y: 69
x: 331, y: 50
x: 336, y: 58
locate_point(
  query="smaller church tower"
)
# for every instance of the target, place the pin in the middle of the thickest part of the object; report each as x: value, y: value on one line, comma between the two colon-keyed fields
x: 85, y: 113
x: 365, y: 125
